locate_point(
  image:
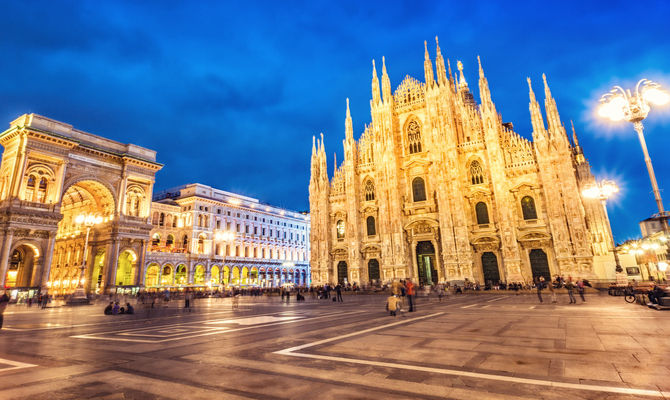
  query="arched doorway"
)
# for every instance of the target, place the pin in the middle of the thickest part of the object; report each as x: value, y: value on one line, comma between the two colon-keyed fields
x: 245, y: 275
x: 181, y: 276
x: 373, y: 270
x: 226, y: 275
x: 83, y: 202
x: 490, y: 268
x: 425, y: 260
x: 214, y: 273
x: 199, y: 275
x: 342, y: 272
x: 21, y: 267
x: 235, y: 278
x: 152, y: 275
x: 539, y: 264
x: 125, y: 271
x: 167, y: 276
x: 253, y: 275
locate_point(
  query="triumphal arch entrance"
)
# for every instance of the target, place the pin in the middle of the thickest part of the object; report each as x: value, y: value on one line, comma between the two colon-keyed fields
x: 71, y: 201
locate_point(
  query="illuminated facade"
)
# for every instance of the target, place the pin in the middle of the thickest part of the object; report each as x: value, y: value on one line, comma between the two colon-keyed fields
x: 193, y: 235
x: 50, y: 174
x: 439, y: 188
x: 206, y: 236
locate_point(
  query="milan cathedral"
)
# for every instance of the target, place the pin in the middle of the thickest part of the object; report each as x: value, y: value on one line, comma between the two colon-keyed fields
x: 438, y: 188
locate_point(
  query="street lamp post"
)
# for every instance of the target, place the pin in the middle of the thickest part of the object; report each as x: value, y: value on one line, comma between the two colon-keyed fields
x: 87, y: 220
x: 620, y: 104
x: 602, y: 191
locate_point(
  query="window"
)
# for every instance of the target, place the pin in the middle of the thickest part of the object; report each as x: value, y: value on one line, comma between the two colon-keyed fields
x: 369, y: 191
x: 370, y: 221
x: 255, y: 230
x: 340, y: 229
x: 161, y: 220
x: 30, y: 188
x: 184, y: 242
x: 528, y: 208
x: 482, y: 213
x: 169, y: 241
x: 246, y: 229
x: 414, y: 137
x: 476, y: 173
x: 156, y: 239
x: 418, y: 189
x: 218, y: 224
x: 42, y: 190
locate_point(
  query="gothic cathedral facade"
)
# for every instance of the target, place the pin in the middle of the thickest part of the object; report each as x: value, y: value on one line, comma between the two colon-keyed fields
x: 439, y: 189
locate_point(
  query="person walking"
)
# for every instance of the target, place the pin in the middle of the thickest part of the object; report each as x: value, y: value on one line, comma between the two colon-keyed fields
x: 409, y: 293
x: 4, y: 302
x: 552, y: 290
x: 539, y: 284
x: 338, y: 290
x: 570, y: 286
x: 580, y: 289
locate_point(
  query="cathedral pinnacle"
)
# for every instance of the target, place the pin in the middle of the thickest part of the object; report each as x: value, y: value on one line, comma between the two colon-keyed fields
x: 535, y: 114
x: 428, y: 67
x: 481, y: 70
x: 484, y: 92
x: 461, y: 77
x: 439, y: 65
x: 386, y: 83
x: 348, y: 126
x: 574, y: 135
x: 375, y: 84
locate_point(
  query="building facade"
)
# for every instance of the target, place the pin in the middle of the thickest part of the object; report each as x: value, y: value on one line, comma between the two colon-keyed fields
x: 203, y: 236
x: 52, y: 176
x: 51, y: 173
x: 439, y: 188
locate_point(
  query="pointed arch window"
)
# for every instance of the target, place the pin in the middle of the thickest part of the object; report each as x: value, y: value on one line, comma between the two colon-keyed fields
x: 476, y: 173
x: 528, y: 208
x: 169, y: 241
x: 482, y: 213
x: 370, y: 222
x: 161, y: 221
x: 369, y: 191
x: 340, y: 229
x: 414, y: 137
x: 184, y: 242
x: 156, y: 239
x: 418, y: 190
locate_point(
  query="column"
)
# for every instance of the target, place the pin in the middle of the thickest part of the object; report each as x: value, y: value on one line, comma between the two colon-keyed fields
x: 4, y: 256
x: 141, y: 268
x: 112, y: 260
x: 47, y: 260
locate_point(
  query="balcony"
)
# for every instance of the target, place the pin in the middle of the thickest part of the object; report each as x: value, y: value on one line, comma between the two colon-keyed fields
x: 166, y: 249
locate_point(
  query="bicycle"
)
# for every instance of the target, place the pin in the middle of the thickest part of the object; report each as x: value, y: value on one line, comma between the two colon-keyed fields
x: 629, y: 295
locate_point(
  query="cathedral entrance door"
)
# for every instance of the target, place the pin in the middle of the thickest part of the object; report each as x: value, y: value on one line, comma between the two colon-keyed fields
x: 539, y: 264
x: 341, y: 272
x: 490, y: 268
x: 425, y: 261
x: 373, y: 270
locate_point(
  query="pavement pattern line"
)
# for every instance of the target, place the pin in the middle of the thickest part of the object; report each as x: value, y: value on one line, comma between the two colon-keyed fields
x: 14, y: 365
x: 215, y: 331
x: 496, y: 299
x: 292, y: 351
x: 470, y: 305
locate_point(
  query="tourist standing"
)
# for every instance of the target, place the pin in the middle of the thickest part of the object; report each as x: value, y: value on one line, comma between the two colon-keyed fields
x: 409, y: 292
x: 552, y: 290
x: 338, y: 290
x: 4, y: 302
x: 580, y: 289
x: 539, y: 285
x: 570, y: 286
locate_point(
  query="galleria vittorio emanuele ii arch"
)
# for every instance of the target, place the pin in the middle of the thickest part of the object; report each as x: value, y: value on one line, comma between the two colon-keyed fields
x: 51, y: 177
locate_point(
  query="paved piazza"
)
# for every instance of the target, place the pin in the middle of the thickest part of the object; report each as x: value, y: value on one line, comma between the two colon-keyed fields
x: 483, y: 346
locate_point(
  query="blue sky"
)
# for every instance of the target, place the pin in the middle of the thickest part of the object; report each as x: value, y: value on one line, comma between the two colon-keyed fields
x: 230, y: 93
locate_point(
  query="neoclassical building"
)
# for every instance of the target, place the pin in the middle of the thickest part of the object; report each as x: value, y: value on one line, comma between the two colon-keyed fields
x: 439, y: 188
x: 191, y: 236
x: 51, y: 173
x: 206, y: 236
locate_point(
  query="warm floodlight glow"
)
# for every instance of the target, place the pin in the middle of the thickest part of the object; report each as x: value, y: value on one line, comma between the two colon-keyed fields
x: 225, y: 236
x: 656, y: 96
x: 600, y: 190
x: 662, y: 266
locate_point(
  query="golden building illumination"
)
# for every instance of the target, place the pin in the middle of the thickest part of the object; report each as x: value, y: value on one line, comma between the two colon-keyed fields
x: 439, y: 188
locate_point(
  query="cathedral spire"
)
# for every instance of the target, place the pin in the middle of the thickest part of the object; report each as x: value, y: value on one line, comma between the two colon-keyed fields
x: 535, y: 115
x: 334, y: 163
x: 428, y: 67
x: 348, y: 125
x: 553, y: 119
x: 375, y: 84
x: 461, y: 77
x: 439, y: 65
x: 575, y: 142
x: 386, y: 83
x: 484, y: 92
